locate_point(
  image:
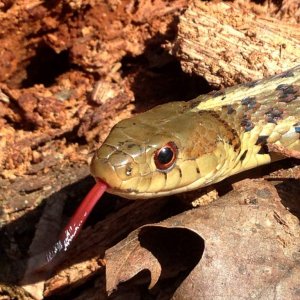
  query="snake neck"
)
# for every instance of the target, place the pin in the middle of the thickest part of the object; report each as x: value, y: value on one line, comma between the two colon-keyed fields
x: 252, y: 117
x: 234, y: 148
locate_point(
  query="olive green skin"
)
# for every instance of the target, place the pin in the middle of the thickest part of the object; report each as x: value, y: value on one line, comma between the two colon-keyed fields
x: 126, y: 159
x: 216, y: 136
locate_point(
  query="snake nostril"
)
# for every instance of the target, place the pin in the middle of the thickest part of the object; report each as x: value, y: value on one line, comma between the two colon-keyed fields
x: 128, y: 170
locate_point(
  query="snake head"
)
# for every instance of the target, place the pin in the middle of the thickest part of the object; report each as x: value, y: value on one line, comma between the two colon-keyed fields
x: 163, y: 151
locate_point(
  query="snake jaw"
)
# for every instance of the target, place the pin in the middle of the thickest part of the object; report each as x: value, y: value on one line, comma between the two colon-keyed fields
x: 103, y: 171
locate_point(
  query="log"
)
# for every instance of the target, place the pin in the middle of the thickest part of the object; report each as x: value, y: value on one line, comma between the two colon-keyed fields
x: 227, y: 45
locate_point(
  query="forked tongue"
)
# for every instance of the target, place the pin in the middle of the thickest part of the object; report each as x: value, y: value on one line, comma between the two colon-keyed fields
x: 72, y: 229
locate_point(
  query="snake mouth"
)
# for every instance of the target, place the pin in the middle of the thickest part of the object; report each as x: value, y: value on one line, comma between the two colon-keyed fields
x: 100, y: 180
x: 127, y: 193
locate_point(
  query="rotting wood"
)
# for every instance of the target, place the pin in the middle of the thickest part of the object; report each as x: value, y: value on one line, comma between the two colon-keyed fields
x: 227, y: 45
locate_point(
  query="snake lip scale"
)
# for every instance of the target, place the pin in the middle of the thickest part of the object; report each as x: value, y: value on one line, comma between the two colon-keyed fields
x: 181, y: 146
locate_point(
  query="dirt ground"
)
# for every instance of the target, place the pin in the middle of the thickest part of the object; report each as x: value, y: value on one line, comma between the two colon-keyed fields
x: 69, y: 71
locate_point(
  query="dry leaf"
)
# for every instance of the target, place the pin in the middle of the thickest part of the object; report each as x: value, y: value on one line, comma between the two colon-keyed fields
x: 251, y: 249
x: 133, y: 259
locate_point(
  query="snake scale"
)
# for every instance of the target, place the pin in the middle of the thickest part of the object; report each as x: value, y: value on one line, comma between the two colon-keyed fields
x: 181, y: 146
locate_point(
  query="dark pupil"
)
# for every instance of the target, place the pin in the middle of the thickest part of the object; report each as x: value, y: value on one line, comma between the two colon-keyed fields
x: 165, y: 155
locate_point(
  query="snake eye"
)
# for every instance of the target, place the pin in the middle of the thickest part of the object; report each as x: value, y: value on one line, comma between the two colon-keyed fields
x: 165, y: 157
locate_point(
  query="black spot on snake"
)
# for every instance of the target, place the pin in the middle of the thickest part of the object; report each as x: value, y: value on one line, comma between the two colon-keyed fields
x: 247, y: 124
x: 273, y: 115
x: 166, y: 176
x: 180, y: 172
x: 262, y: 139
x: 244, y: 155
x: 230, y: 109
x: 287, y: 92
x: 249, y: 102
x: 197, y: 170
x: 263, y: 150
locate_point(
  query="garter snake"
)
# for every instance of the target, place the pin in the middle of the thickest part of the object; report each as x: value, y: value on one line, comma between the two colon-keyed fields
x: 181, y: 146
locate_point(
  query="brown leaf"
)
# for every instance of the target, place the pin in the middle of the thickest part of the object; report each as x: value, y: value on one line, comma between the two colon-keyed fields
x: 129, y: 258
x: 149, y: 248
x: 251, y: 248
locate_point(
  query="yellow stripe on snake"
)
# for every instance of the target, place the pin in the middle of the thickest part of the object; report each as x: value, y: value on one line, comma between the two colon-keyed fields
x: 181, y: 146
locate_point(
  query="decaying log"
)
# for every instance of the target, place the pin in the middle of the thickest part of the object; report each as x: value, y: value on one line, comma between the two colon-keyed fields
x: 227, y: 45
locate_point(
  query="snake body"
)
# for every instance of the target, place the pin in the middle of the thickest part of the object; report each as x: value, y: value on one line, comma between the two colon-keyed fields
x: 181, y: 146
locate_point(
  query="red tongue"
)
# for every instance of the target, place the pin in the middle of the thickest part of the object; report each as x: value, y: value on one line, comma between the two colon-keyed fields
x: 73, y: 228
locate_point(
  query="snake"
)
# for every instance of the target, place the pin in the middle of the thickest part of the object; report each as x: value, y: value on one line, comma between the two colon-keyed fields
x: 186, y: 145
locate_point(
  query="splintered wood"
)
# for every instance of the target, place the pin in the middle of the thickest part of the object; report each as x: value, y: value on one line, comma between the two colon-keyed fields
x: 227, y: 45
